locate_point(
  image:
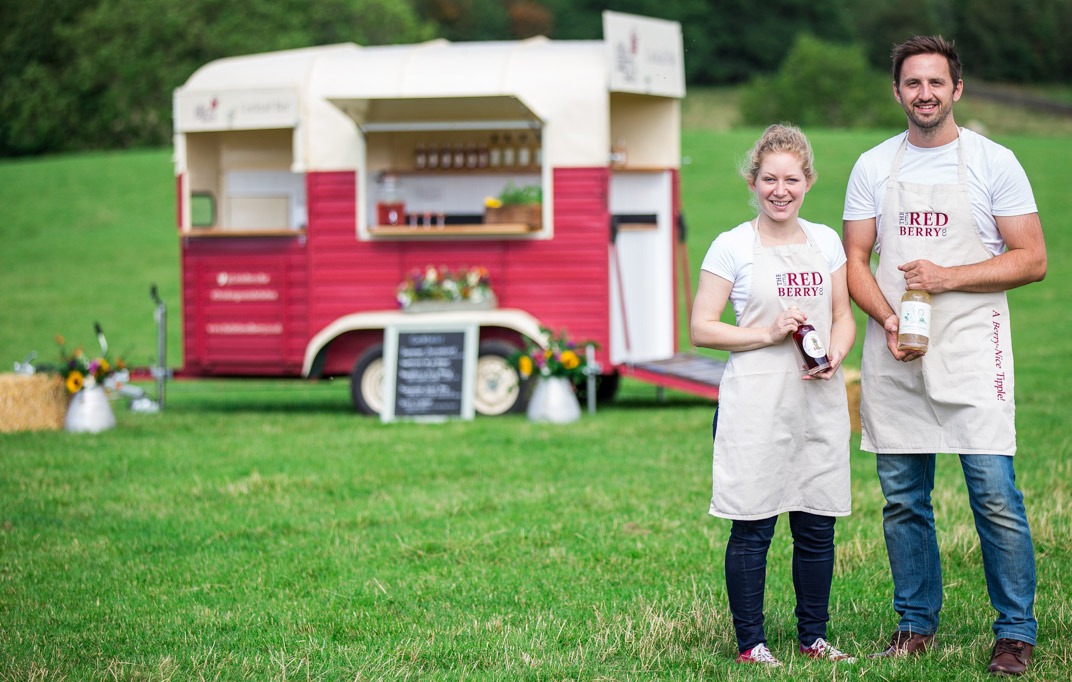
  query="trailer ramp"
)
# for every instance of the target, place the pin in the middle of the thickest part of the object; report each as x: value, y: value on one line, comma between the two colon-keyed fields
x: 687, y: 372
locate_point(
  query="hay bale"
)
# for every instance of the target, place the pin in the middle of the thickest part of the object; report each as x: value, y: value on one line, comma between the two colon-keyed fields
x: 852, y: 388
x: 32, y: 403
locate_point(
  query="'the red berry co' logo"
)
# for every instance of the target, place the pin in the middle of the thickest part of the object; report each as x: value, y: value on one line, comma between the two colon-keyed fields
x: 922, y: 224
x: 799, y: 284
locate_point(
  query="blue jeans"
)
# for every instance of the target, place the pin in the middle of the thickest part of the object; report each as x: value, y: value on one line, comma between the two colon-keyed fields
x: 813, y: 570
x: 1004, y: 538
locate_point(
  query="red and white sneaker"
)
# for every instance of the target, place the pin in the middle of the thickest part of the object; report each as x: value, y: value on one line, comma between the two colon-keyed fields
x: 759, y: 654
x: 824, y: 650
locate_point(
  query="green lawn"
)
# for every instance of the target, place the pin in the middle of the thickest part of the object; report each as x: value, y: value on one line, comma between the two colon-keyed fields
x: 259, y: 530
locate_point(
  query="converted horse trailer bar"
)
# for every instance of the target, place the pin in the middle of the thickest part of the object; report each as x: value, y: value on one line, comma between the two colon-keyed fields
x: 311, y: 182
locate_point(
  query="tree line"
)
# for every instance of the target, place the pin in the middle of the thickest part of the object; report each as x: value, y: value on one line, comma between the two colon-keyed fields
x: 99, y: 74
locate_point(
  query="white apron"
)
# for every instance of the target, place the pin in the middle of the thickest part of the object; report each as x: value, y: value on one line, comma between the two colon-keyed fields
x: 959, y: 397
x: 782, y: 443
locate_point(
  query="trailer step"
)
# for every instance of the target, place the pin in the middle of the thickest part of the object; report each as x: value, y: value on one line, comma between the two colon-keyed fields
x: 687, y: 372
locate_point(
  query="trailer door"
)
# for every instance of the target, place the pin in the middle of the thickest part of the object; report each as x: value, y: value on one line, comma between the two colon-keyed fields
x: 641, y: 268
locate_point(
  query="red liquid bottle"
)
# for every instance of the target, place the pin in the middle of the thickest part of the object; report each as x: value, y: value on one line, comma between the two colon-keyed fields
x: 811, y: 350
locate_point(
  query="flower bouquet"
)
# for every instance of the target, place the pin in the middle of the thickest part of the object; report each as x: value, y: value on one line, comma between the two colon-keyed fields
x: 80, y: 371
x: 85, y: 378
x: 560, y: 357
x: 444, y: 289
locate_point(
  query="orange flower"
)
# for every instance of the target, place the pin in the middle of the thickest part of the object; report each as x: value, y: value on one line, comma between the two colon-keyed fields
x: 524, y: 366
x: 75, y: 382
x: 570, y: 360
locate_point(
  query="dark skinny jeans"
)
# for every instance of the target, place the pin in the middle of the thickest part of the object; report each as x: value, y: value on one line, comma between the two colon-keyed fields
x: 813, y: 571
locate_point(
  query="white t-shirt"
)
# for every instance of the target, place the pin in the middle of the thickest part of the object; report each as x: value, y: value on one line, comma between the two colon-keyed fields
x: 730, y: 256
x: 998, y: 185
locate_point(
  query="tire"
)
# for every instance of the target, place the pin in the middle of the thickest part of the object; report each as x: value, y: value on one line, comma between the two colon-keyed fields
x: 366, y: 381
x: 499, y: 388
x: 606, y: 388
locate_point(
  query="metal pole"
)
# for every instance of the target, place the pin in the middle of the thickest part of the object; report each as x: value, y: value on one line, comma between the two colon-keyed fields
x: 160, y: 371
x: 590, y: 356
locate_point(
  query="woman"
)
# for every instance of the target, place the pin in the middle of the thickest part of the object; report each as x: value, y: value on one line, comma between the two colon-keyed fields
x: 781, y: 436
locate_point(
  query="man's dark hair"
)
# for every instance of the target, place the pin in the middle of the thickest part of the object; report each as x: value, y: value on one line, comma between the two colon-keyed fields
x: 917, y: 45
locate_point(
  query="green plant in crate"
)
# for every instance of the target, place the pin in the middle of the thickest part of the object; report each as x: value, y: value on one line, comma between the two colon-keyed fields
x: 512, y: 195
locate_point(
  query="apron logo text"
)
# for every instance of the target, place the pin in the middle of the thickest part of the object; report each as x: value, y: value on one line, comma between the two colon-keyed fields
x: 999, y: 377
x: 799, y: 284
x: 922, y: 224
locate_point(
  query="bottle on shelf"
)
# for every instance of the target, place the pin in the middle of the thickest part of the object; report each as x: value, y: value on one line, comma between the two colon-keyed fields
x: 509, y: 157
x: 470, y: 155
x: 482, y: 156
x: 420, y: 158
x: 432, y: 156
x: 459, y: 155
x: 914, y: 321
x: 811, y: 350
x: 524, y: 153
x: 390, y: 209
x: 446, y: 158
x: 494, y: 153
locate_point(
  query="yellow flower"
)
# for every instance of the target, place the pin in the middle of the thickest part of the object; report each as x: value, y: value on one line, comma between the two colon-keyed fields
x: 492, y: 202
x: 524, y: 366
x: 75, y: 382
x: 570, y: 359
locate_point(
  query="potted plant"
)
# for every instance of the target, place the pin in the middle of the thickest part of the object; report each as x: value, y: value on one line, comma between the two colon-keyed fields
x: 435, y: 289
x: 558, y: 365
x: 523, y: 205
x: 86, y: 378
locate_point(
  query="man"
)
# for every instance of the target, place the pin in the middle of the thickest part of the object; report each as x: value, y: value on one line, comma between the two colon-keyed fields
x: 950, y: 213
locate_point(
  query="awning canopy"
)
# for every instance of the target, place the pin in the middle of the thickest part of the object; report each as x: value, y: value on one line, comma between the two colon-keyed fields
x: 489, y: 112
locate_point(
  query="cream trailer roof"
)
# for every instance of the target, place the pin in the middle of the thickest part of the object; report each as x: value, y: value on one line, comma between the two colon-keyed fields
x: 330, y: 95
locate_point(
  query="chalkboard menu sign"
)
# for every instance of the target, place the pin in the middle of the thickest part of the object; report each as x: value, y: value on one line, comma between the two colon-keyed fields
x: 429, y: 371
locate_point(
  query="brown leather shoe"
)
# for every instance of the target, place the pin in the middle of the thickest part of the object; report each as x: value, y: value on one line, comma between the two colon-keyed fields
x: 905, y: 643
x: 1010, y: 657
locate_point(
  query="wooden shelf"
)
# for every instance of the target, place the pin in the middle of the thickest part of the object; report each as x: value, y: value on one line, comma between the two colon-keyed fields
x: 479, y: 229
x: 532, y: 170
x: 216, y: 233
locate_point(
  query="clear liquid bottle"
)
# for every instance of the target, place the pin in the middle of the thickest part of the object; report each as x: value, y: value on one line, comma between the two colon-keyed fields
x: 494, y: 153
x: 509, y: 157
x: 914, y: 323
x: 482, y: 158
x: 524, y: 153
x: 811, y: 349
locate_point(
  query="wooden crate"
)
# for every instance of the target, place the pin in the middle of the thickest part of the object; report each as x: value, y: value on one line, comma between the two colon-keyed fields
x: 516, y: 214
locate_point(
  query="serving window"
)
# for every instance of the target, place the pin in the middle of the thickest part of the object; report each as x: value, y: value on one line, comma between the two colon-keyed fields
x: 431, y: 164
x: 241, y: 182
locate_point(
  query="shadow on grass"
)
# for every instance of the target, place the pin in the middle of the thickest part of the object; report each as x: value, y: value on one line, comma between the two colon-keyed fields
x: 289, y: 396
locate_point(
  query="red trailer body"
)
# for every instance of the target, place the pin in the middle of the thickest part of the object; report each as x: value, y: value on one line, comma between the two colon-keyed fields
x: 252, y: 304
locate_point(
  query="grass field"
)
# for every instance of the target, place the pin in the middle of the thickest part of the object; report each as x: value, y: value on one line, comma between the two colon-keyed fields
x: 259, y: 530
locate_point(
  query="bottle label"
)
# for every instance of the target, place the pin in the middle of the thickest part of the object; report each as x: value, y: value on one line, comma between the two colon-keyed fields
x: 813, y: 345
x: 915, y: 318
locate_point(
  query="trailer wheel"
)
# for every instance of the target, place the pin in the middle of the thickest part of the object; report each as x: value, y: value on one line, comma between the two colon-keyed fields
x: 499, y: 388
x: 366, y: 381
x: 606, y: 388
